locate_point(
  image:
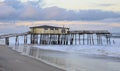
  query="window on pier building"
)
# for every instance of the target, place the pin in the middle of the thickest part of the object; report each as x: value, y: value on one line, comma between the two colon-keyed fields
x: 46, y: 28
x: 51, y: 28
x: 56, y: 28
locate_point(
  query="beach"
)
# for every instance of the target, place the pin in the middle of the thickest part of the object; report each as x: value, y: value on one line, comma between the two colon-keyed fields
x: 13, y: 61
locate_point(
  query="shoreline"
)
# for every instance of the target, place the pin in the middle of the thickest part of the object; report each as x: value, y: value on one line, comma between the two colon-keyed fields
x: 14, y: 61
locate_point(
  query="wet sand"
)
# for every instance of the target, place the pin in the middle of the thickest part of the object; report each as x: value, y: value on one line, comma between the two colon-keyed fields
x: 13, y: 61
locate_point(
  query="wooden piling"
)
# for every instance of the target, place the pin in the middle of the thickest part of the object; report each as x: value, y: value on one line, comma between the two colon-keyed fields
x: 71, y: 39
x: 92, y: 40
x: 75, y: 39
x: 79, y: 40
x: 87, y: 39
x: 83, y: 39
x: 40, y: 39
x: 16, y: 41
x: 7, y: 41
x: 25, y: 39
x: 58, y: 39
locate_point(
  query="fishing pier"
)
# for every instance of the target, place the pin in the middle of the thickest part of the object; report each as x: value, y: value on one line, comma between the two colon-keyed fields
x: 52, y: 35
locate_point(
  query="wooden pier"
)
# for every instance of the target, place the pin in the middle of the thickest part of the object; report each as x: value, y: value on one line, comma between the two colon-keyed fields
x: 71, y: 38
x: 16, y: 35
x: 78, y: 37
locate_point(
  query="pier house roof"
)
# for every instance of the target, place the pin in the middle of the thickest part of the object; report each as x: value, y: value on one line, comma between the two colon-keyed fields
x: 47, y: 26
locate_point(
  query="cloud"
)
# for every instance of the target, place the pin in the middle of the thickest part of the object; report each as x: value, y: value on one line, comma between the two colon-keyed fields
x: 14, y: 3
x: 55, y: 13
x: 6, y: 12
x: 16, y: 10
x: 92, y: 15
x: 28, y: 12
x: 111, y: 20
x: 24, y: 13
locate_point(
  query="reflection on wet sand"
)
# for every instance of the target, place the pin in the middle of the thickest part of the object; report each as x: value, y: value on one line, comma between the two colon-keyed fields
x: 72, y: 61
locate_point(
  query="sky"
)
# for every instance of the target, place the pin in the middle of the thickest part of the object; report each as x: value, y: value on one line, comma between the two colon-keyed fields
x: 19, y: 15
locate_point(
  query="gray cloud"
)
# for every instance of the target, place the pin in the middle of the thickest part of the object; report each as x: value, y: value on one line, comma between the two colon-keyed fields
x: 7, y: 12
x: 15, y: 10
x: 14, y: 3
x: 97, y: 15
x: 111, y: 20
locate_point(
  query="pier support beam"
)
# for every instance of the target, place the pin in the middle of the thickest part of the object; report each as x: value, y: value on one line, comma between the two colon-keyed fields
x: 7, y: 41
x: 92, y: 39
x: 108, y: 39
x: 75, y: 39
x: 83, y: 39
x: 35, y: 39
x: 79, y: 40
x: 88, y: 39
x: 25, y: 39
x: 16, y: 40
x: 98, y: 39
x: 31, y: 38
x: 71, y: 39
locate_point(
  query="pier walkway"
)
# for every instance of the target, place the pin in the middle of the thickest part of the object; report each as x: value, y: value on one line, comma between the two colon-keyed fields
x: 13, y: 61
